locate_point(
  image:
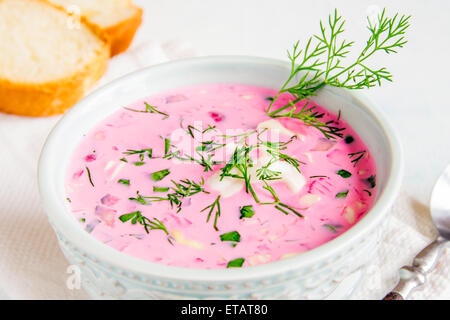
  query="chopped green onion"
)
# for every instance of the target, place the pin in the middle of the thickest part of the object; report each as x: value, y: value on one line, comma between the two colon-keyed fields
x: 342, y: 194
x: 159, y: 175
x: 247, y: 212
x: 160, y: 189
x: 231, y: 236
x: 344, y: 173
x: 236, y: 263
x: 330, y: 227
x: 124, y: 181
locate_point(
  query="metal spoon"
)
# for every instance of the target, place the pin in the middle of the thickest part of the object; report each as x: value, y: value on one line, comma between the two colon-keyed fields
x: 413, y: 276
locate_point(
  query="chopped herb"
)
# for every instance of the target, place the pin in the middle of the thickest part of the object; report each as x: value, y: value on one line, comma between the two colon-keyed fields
x: 272, y: 192
x: 160, y: 189
x: 342, y: 194
x: 190, y: 131
x: 211, y: 207
x: 183, y: 189
x: 83, y: 220
x: 203, y: 147
x: 312, y: 177
x: 149, y: 109
x: 148, y: 224
x: 349, y: 139
x: 292, y: 161
x: 269, y: 99
x: 344, y: 173
x: 372, y: 181
x: 89, y: 176
x: 124, y: 181
x: 141, y: 153
x: 123, y: 160
x: 356, y: 157
x: 159, y: 175
x: 139, y: 198
x: 68, y: 200
x: 209, y: 128
x: 332, y: 228
x: 231, y: 236
x: 236, y: 263
x: 264, y: 173
x: 166, y: 146
x: 368, y: 192
x: 320, y: 63
x: 281, y: 206
x: 128, y: 216
x: 247, y: 212
x: 138, y: 163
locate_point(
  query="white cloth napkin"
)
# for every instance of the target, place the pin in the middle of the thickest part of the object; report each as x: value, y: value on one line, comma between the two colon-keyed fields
x: 33, y: 267
x: 409, y: 230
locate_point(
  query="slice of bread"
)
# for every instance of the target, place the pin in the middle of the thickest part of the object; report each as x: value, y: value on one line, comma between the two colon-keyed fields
x: 47, y: 61
x: 119, y: 19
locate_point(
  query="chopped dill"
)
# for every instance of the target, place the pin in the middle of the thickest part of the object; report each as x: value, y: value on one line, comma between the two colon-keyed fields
x: 356, y: 156
x: 215, y: 205
x: 149, y: 109
x: 89, y: 176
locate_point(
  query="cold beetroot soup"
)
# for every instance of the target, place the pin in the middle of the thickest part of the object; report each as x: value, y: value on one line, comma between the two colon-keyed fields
x: 202, y: 177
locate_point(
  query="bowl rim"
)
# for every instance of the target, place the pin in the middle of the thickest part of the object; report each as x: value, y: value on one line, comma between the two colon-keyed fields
x: 62, y: 223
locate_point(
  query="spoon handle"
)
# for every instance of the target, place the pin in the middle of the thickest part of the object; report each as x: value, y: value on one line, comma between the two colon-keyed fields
x: 413, y: 276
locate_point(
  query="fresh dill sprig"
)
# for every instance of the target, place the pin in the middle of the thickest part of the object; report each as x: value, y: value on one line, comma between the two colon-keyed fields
x: 321, y: 63
x: 309, y: 116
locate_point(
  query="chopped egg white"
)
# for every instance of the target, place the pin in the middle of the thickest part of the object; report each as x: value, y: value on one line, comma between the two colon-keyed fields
x: 288, y: 255
x: 180, y: 238
x: 259, y: 259
x: 109, y: 165
x: 309, y: 157
x: 349, y: 215
x: 228, y: 186
x: 309, y: 199
x: 274, y: 125
x: 289, y: 175
x: 116, y: 171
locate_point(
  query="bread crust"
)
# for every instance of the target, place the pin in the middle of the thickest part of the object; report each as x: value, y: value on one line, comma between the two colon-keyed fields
x: 121, y: 35
x: 56, y: 96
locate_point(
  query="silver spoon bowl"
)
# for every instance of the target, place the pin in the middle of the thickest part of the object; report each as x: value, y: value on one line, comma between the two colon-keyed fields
x: 413, y: 276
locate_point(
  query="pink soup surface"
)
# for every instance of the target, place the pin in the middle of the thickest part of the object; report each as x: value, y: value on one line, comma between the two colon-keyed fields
x: 132, y: 163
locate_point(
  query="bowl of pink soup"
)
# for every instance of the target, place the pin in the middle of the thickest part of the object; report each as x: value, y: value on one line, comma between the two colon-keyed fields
x: 173, y: 182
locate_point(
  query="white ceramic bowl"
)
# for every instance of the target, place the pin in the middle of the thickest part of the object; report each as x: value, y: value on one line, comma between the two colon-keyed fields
x: 331, y: 270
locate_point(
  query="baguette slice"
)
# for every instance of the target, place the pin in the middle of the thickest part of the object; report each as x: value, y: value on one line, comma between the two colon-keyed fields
x: 47, y: 61
x: 118, y: 19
